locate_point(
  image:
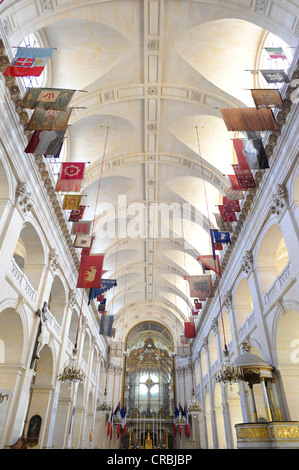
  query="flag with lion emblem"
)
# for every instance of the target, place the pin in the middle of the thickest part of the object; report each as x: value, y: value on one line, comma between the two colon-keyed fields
x: 91, y: 270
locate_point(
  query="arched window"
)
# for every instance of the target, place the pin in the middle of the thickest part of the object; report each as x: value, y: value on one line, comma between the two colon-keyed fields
x: 32, y: 40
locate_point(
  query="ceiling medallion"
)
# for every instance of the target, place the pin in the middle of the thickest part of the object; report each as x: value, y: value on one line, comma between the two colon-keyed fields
x: 229, y: 373
x: 70, y: 373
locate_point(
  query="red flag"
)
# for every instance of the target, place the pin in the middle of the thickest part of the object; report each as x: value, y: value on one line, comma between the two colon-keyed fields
x: 239, y: 149
x: 234, y: 182
x: 231, y: 205
x: 81, y: 228
x: 118, y: 430
x: 227, y: 216
x: 29, y: 62
x: 174, y: 430
x: 190, y: 330
x: 77, y: 214
x: 66, y: 186
x: 90, y: 272
x: 211, y: 263
x: 244, y: 177
x: 72, y: 171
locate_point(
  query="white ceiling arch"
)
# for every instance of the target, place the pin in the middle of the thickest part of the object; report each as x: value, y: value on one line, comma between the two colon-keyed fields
x: 152, y: 72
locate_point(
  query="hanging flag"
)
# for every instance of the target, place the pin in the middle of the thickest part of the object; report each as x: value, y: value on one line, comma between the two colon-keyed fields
x: 45, y: 142
x: 190, y: 331
x: 106, y: 325
x: 251, y: 154
x: 77, y: 214
x: 275, y: 76
x: 47, y: 98
x: 90, y: 271
x: 49, y: 120
x: 72, y: 171
x: 116, y: 349
x: 249, y: 119
x: 184, y: 347
x: 113, y: 332
x: 221, y: 224
x: 227, y: 215
x: 29, y: 62
x: 265, y: 98
x: 66, y: 186
x: 57, y: 154
x: 200, y: 286
x: 234, y: 182
x: 106, y: 284
x: 233, y: 206
x: 187, y: 426
x: 222, y: 237
x: 176, y: 414
x: 211, y: 263
x: 102, y: 306
x: 109, y: 426
x: 71, y: 202
x: 123, y: 414
x: 276, y: 52
x: 83, y: 241
x: 244, y: 177
x: 233, y: 194
x: 81, y: 228
x: 197, y: 304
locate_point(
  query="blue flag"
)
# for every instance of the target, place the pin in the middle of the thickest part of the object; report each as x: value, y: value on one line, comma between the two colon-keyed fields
x: 222, y: 237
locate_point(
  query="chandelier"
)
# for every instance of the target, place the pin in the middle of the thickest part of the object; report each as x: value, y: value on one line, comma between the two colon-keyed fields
x: 229, y: 373
x: 104, y: 407
x: 117, y: 418
x: 194, y: 406
x: 70, y: 373
x: 180, y: 419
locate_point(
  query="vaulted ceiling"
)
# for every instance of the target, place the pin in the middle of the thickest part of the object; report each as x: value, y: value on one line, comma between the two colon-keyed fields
x: 152, y: 75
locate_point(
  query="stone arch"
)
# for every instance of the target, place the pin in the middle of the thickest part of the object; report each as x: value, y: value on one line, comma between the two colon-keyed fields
x: 30, y: 254
x: 287, y: 346
x: 213, y: 349
x: 294, y: 190
x: 242, y: 301
x: 272, y: 256
x: 203, y: 363
x: 64, y: 417
x: 57, y: 299
x: 73, y: 328
x: 11, y: 337
x: 5, y: 187
x: 221, y: 434
x: 208, y: 419
x: 86, y: 347
x: 78, y: 418
x: 235, y: 410
x: 225, y: 329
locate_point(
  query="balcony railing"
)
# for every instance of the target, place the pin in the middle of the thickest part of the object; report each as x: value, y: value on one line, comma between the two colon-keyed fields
x: 278, y: 284
x: 22, y: 281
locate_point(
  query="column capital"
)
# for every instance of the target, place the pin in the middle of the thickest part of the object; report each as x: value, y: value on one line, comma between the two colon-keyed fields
x: 23, y: 198
x: 247, y: 262
x: 228, y: 299
x: 279, y: 200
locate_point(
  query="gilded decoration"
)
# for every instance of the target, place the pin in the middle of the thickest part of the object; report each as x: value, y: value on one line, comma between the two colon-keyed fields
x: 253, y: 433
x: 284, y: 432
